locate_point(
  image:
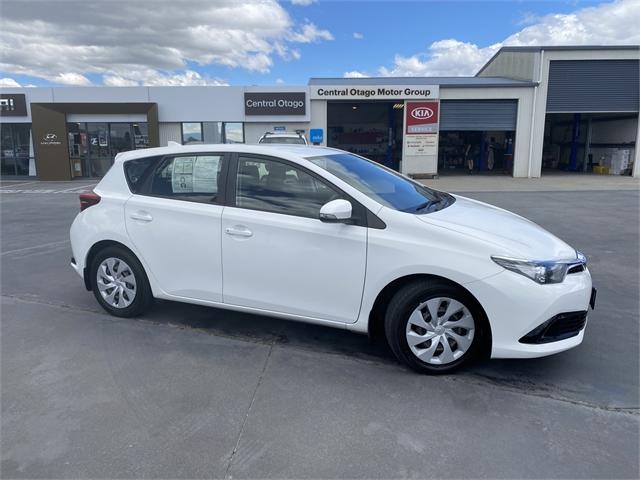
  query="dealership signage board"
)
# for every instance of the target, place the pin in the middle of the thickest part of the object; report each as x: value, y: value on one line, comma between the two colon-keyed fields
x: 13, y: 105
x: 275, y: 103
x: 421, y: 128
x: 375, y: 92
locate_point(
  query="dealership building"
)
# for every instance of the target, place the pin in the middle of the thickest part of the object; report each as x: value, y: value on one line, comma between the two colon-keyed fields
x: 530, y: 111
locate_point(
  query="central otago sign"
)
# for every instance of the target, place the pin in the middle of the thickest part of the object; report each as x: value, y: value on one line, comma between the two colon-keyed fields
x: 374, y: 92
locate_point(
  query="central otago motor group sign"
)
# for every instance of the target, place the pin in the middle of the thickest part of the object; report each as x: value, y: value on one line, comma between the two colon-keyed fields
x: 421, y: 123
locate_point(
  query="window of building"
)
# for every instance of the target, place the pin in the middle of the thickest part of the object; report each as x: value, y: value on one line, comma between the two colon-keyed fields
x: 233, y: 132
x: 191, y: 133
x: 191, y: 178
x: 212, y: 132
x: 15, y: 148
x: 277, y: 187
x: 93, y: 146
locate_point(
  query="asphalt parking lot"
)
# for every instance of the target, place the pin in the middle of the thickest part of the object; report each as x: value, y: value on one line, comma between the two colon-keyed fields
x: 194, y: 392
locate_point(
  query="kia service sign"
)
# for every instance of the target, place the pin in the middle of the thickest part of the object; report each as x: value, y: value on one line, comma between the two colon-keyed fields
x: 422, y: 117
x: 421, y: 120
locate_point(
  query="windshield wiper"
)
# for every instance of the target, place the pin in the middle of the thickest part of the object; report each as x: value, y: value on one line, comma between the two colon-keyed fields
x: 440, y: 199
x: 423, y: 205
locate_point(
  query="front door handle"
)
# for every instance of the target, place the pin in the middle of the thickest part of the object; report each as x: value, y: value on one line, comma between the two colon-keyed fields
x: 239, y: 231
x: 142, y: 216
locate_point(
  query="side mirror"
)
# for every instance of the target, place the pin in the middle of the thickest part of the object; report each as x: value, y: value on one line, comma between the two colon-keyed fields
x: 336, y: 211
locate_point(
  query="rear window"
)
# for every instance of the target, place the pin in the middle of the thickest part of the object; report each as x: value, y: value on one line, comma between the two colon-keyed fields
x: 136, y: 172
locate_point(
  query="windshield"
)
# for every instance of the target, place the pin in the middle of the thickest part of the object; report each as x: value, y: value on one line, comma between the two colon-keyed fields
x: 383, y: 185
x: 287, y: 140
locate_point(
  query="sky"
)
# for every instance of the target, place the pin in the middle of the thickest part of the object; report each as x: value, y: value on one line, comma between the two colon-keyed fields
x: 271, y: 42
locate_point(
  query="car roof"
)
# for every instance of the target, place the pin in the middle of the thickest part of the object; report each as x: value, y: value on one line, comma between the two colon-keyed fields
x: 282, y: 134
x: 302, y: 151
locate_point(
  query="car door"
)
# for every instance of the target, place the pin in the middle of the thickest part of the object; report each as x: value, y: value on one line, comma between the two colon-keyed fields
x: 276, y: 253
x: 175, y: 224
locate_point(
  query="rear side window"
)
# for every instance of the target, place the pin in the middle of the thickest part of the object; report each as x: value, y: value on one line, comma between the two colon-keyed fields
x: 136, y: 171
x: 194, y: 178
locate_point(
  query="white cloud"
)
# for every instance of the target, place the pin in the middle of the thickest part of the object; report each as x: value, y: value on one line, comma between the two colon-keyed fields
x: 71, y: 78
x: 154, y: 78
x: 358, y: 35
x: 279, y: 81
x: 9, y: 82
x: 606, y: 24
x: 310, y: 33
x: 123, y: 41
x: 304, y: 3
x: 355, y: 74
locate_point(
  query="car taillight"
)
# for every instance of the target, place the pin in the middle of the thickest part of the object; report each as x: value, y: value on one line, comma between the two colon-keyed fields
x: 88, y: 199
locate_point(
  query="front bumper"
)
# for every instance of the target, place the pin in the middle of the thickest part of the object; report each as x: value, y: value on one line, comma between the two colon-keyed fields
x: 516, y: 306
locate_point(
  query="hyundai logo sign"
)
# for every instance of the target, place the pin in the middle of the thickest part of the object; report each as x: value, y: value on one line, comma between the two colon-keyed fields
x: 422, y: 113
x: 50, y: 139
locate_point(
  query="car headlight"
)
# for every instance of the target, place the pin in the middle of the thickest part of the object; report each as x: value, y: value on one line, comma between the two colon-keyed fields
x: 539, y: 271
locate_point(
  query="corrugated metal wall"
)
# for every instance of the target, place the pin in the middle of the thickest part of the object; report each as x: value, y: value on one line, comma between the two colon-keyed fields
x: 478, y: 115
x: 170, y: 132
x: 593, y: 86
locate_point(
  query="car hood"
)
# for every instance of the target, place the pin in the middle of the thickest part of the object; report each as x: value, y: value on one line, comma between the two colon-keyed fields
x: 510, y: 233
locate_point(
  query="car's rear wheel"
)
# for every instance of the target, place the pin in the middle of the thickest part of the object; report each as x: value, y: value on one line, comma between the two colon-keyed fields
x: 433, y: 327
x: 119, y: 283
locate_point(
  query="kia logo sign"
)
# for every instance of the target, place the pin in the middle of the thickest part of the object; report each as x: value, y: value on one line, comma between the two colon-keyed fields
x: 422, y: 113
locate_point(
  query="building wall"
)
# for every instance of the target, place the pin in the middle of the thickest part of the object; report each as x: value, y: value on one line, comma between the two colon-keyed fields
x: 170, y: 132
x: 319, y: 117
x: 615, y: 131
x: 540, y: 97
x: 518, y: 65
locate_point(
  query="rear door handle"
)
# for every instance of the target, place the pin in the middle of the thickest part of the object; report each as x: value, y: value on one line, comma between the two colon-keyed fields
x: 141, y: 216
x: 239, y: 231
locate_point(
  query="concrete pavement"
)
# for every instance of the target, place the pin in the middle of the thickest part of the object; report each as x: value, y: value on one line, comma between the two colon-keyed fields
x: 194, y: 392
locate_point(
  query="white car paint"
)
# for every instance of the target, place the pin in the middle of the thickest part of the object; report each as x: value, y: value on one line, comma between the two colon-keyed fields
x: 329, y: 273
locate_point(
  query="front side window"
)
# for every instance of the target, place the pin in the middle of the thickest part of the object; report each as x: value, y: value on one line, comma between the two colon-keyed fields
x: 194, y: 178
x: 278, y: 187
x: 382, y: 185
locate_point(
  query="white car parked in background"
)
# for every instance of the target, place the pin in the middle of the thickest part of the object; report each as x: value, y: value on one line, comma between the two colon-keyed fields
x: 287, y: 138
x: 324, y: 236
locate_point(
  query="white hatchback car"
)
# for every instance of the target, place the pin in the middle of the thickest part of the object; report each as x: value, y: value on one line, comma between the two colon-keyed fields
x: 324, y: 236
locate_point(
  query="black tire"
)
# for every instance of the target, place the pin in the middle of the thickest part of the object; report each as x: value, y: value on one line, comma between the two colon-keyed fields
x: 143, y: 298
x: 403, y: 304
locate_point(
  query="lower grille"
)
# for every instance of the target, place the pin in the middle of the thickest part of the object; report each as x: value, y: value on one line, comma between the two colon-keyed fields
x: 560, y: 327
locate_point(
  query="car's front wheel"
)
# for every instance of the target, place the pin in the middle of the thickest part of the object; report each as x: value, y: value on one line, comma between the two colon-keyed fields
x: 433, y: 327
x: 119, y: 283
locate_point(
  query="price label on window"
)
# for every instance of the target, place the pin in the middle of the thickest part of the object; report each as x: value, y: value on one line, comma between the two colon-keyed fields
x: 195, y: 174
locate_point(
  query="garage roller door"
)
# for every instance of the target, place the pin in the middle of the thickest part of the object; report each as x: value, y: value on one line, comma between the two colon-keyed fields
x: 478, y: 115
x: 593, y: 86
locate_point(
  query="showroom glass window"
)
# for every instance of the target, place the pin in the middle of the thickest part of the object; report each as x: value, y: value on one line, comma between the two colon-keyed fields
x: 192, y: 178
x: 93, y: 146
x: 15, y: 148
x: 272, y: 186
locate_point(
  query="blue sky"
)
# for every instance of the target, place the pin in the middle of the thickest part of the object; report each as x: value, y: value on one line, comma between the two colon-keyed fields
x: 263, y: 42
x: 391, y: 28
